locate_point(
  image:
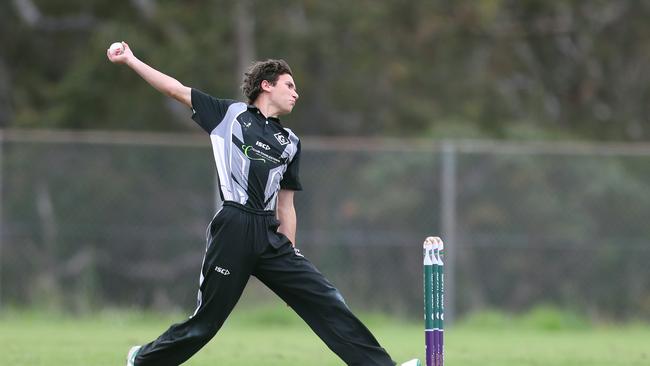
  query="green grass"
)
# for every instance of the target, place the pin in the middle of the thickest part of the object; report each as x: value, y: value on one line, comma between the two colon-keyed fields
x: 274, y: 336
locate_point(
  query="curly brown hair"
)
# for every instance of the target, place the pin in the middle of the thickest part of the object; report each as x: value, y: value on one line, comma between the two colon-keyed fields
x: 269, y: 70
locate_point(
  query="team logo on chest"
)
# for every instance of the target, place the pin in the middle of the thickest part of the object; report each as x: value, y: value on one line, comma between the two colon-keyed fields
x: 281, y: 139
x: 245, y: 121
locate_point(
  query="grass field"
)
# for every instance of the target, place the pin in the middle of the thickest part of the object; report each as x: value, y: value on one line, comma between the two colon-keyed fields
x: 274, y: 336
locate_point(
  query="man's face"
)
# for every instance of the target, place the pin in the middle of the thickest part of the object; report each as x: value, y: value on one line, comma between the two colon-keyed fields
x: 283, y: 94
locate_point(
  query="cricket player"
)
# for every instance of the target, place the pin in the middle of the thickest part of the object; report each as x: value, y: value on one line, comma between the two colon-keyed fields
x: 253, y: 233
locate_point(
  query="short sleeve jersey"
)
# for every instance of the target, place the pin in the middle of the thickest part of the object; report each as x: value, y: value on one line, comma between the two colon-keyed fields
x: 255, y: 155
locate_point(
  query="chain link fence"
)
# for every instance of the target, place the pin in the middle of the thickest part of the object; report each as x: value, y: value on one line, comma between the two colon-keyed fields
x: 92, y: 220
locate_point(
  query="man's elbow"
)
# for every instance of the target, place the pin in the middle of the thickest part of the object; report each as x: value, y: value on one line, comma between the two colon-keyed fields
x: 181, y: 93
x: 286, y: 211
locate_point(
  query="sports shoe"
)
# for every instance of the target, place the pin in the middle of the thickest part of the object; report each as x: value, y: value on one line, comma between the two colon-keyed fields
x: 130, y: 357
x: 413, y: 362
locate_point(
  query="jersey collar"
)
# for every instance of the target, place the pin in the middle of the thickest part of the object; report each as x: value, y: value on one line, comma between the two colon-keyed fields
x: 256, y: 110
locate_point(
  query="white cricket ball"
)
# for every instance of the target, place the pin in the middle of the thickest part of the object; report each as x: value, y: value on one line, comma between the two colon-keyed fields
x: 116, y: 48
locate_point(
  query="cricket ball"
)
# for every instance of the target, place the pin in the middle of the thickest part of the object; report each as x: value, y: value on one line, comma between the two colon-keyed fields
x: 116, y: 48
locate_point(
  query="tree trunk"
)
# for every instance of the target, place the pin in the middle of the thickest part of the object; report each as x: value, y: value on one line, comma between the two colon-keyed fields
x: 244, y: 35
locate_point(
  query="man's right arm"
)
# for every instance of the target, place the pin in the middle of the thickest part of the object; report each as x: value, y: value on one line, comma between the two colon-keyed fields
x: 161, y: 82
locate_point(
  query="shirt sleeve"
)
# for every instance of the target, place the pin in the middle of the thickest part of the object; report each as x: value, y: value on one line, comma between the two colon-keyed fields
x: 208, y: 111
x: 291, y: 180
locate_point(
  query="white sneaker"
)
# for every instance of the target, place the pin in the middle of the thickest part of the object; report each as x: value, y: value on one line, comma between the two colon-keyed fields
x: 413, y: 362
x: 130, y: 357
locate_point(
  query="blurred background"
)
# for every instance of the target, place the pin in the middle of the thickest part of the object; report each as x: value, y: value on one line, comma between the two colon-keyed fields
x: 516, y: 130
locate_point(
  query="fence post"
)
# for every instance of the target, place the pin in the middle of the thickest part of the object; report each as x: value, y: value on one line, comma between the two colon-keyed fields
x: 2, y: 146
x: 448, y: 183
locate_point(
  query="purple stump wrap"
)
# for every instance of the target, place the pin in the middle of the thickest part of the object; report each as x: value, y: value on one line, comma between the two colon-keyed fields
x: 441, y: 353
x: 429, y: 346
x: 436, y: 348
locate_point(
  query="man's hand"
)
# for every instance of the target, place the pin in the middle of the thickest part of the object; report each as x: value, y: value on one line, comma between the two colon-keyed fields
x: 121, y: 58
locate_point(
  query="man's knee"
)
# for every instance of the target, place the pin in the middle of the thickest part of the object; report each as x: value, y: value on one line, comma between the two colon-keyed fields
x: 339, y: 297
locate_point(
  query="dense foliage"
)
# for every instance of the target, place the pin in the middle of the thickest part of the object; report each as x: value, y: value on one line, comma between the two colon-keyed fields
x: 493, y: 68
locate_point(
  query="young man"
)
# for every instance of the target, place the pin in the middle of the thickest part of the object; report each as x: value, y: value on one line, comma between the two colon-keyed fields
x: 253, y: 233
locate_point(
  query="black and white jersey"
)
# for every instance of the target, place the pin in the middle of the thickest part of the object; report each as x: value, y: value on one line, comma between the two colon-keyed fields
x: 255, y: 155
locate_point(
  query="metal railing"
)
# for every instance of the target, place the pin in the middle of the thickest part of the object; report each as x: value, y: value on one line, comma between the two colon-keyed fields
x: 91, y: 219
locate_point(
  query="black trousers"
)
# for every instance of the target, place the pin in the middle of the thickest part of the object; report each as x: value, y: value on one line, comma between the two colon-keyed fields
x: 244, y: 242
